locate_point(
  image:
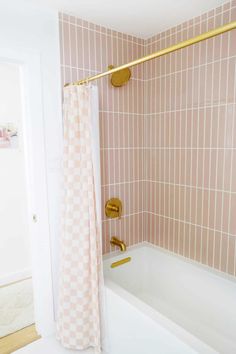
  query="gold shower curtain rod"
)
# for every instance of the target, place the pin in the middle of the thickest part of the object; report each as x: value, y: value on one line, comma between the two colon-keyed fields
x: 215, y: 32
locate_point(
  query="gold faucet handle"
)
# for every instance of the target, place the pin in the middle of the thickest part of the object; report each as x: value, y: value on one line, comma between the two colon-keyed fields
x: 113, y: 208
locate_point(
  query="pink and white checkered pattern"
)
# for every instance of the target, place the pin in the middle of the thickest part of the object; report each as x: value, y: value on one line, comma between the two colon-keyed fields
x: 79, y: 308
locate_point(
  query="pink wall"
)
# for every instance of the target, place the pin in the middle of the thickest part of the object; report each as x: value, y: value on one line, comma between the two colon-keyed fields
x: 190, y: 143
x: 168, y: 144
x: 87, y: 49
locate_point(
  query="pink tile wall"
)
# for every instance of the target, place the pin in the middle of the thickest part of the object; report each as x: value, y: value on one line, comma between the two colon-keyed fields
x: 168, y: 138
x: 190, y: 143
x: 87, y: 49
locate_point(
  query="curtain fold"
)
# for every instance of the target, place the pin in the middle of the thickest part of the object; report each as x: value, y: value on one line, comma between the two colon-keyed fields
x: 79, y: 322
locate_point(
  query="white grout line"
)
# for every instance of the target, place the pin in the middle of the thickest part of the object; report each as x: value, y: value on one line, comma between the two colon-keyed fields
x: 231, y: 177
x: 175, y: 126
x: 63, y: 51
x: 125, y: 216
x: 204, y: 143
x: 166, y: 232
x: 180, y: 139
x: 190, y: 108
x: 112, y: 35
x: 167, y: 148
x: 210, y: 151
x: 153, y: 40
x: 197, y: 157
x: 186, y: 156
x: 192, y: 224
x: 217, y: 159
x: 119, y: 164
x: 188, y: 68
x: 225, y: 139
x: 70, y: 49
x: 156, y: 232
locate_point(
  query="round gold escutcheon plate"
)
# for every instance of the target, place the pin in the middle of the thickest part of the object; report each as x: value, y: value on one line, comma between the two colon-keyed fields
x: 113, y: 208
x: 120, y: 77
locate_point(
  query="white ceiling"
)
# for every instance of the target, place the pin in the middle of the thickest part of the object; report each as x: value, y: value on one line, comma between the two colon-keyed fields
x: 141, y: 18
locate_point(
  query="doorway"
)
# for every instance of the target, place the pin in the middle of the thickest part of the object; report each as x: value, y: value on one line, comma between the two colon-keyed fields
x: 16, y: 289
x: 25, y: 260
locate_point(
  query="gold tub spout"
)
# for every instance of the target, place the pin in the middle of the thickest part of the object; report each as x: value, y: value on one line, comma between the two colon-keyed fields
x: 116, y: 242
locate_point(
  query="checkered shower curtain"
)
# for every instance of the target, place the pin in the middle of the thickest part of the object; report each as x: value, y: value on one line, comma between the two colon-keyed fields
x: 79, y: 306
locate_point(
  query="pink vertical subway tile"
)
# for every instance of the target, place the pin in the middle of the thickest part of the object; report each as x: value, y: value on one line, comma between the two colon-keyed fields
x: 212, y: 207
x: 232, y: 227
x: 220, y: 172
x: 231, y: 255
x: 206, y: 166
x: 233, y: 14
x: 210, y: 246
x: 204, y: 239
x: 205, y: 208
x: 218, y: 20
x: 171, y: 234
x: 73, y: 44
x: 227, y: 169
x: 195, y: 171
x: 197, y: 246
x: 217, y: 249
x: 233, y: 175
x: 182, y: 179
x: 207, y: 126
x: 201, y: 127
x: 203, y: 50
x: 231, y: 80
x: 225, y: 212
x: 202, y: 83
x: 218, y: 210
x: 181, y: 238
x: 183, y: 89
x: 213, y: 176
x: 193, y: 206
x: 223, y: 81
x: 66, y: 43
x: 188, y: 165
x: 195, y: 83
x: 175, y: 237
x: 198, y: 206
x: 190, y: 88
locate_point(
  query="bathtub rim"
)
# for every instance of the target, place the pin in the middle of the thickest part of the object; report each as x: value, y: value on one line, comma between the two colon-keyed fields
x: 146, y: 244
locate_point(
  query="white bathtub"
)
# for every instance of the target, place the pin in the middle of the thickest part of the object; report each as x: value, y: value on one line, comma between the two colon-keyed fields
x: 162, y: 303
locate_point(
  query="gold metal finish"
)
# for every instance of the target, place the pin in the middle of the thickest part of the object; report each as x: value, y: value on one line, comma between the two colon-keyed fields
x: 120, y: 262
x: 120, y: 77
x: 215, y: 32
x: 113, y: 208
x: 116, y: 242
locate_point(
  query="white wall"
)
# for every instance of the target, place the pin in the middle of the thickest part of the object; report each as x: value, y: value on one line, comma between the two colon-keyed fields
x: 15, y: 259
x: 28, y: 28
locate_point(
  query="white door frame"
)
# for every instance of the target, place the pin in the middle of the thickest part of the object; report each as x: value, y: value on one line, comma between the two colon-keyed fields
x: 37, y: 189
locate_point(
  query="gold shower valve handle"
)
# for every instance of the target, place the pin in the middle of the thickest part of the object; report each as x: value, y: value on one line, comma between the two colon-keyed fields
x: 113, y: 208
